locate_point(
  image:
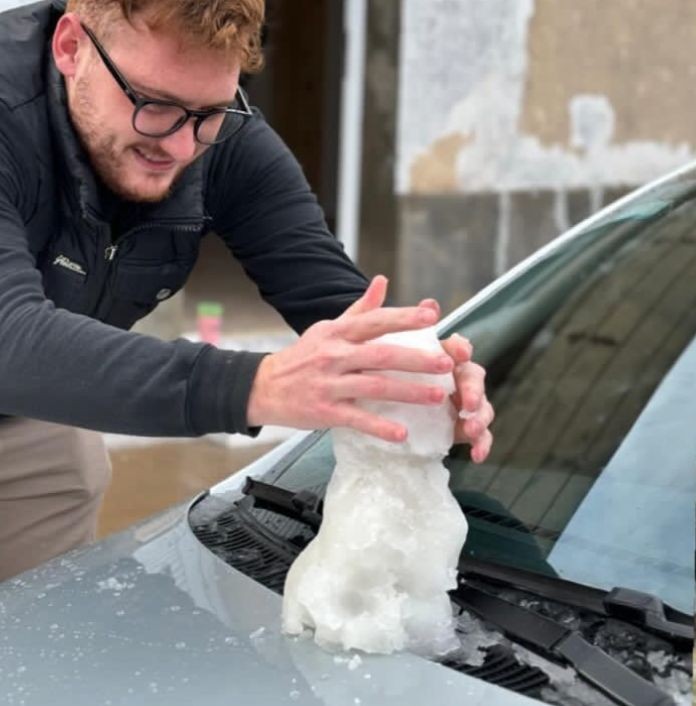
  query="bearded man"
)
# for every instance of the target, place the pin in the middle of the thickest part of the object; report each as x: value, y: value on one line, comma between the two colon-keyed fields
x: 124, y: 139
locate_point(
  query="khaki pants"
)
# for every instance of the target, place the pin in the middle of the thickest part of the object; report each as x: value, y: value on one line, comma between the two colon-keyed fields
x: 52, y: 479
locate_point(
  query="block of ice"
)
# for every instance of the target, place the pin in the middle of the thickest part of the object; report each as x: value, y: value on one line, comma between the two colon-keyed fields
x: 376, y: 576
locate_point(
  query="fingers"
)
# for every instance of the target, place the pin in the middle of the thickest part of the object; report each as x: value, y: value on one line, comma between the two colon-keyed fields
x: 431, y: 304
x: 482, y: 447
x: 459, y: 348
x: 475, y: 411
x: 470, y: 381
x: 379, y: 387
x: 372, y: 324
x: 476, y: 424
x: 385, y: 356
x: 373, y: 298
x: 348, y: 415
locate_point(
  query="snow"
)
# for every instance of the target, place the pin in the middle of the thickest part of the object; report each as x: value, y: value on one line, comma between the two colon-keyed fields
x: 354, y: 662
x: 257, y: 633
x: 113, y: 584
x: 376, y: 576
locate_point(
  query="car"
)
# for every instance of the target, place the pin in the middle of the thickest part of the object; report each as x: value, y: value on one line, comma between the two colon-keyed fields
x: 576, y: 582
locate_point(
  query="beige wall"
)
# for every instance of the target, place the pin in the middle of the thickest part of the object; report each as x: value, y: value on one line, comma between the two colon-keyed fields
x: 516, y: 94
x: 637, y: 53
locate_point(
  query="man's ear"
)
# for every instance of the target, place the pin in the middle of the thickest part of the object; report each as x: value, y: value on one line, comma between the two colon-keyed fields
x: 66, y: 43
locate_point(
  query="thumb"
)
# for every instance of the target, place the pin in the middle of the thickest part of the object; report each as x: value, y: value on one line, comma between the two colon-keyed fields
x: 373, y: 298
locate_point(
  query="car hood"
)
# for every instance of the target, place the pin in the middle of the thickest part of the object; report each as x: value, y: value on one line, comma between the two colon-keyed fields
x: 151, y: 616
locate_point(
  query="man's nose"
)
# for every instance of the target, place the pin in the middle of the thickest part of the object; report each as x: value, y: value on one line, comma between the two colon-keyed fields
x: 180, y: 145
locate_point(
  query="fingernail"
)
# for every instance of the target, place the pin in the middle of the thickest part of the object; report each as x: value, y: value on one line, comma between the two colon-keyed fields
x: 427, y: 315
x: 400, y: 434
x: 437, y: 394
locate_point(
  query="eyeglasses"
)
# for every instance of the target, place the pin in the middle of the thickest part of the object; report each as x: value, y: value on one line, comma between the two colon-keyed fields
x: 159, y: 118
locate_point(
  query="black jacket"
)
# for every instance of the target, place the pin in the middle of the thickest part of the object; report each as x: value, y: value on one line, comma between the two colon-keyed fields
x: 66, y: 295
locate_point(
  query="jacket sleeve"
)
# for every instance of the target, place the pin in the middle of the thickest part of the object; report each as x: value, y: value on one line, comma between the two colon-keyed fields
x: 67, y: 368
x: 263, y: 208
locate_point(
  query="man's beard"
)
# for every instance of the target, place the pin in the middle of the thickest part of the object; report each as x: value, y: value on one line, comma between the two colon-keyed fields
x: 107, y: 161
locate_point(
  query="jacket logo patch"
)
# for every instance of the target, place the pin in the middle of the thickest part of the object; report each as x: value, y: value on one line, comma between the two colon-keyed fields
x: 68, y: 264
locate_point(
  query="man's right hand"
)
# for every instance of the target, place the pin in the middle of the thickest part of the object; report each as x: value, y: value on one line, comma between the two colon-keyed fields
x: 315, y: 382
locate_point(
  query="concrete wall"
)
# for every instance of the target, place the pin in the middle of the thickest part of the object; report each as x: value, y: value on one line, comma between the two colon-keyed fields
x: 517, y: 118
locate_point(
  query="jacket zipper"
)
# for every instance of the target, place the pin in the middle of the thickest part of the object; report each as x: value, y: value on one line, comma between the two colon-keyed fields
x: 110, y: 252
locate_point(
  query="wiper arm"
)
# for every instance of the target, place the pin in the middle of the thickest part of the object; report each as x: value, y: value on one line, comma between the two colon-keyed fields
x: 635, y: 607
x: 302, y: 506
x: 647, y: 611
x: 562, y: 643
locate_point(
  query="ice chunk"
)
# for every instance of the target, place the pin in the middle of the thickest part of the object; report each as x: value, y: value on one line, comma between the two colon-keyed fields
x: 354, y: 662
x: 376, y: 576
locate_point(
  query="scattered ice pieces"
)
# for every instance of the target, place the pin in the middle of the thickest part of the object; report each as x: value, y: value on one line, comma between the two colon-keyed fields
x: 354, y: 662
x: 376, y: 576
x: 113, y: 584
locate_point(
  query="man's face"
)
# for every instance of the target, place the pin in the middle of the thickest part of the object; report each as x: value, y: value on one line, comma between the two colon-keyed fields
x: 157, y: 65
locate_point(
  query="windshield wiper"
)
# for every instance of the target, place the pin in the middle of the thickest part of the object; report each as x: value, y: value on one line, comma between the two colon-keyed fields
x: 562, y: 643
x: 634, y: 607
x: 302, y: 506
x: 643, y: 610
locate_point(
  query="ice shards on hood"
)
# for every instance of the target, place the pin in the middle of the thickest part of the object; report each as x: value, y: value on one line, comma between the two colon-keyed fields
x: 376, y: 576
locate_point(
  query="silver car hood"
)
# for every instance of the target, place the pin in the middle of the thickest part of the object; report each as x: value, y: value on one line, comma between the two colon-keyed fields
x: 150, y: 616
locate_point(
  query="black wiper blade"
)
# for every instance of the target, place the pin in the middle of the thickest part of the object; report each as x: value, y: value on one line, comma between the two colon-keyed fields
x: 564, y: 644
x: 634, y: 607
x: 640, y: 609
x: 302, y: 506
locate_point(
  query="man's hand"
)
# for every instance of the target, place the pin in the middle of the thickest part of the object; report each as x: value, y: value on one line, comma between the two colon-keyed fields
x: 314, y: 382
x: 475, y: 412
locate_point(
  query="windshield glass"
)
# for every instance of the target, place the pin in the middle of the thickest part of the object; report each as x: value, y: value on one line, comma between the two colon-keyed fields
x: 591, y: 360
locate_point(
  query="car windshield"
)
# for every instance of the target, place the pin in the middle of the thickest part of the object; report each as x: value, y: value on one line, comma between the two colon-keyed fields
x: 591, y: 360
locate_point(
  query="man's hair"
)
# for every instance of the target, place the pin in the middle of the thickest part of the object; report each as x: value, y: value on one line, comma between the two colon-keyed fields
x: 231, y: 26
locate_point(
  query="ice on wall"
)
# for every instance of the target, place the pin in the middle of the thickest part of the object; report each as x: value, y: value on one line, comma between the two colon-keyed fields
x: 376, y: 576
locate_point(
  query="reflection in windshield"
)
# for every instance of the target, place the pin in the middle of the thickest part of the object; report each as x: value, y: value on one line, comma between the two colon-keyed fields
x: 581, y: 343
x: 645, y: 481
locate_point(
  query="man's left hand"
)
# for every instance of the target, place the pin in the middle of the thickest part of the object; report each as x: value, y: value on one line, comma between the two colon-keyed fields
x: 469, y: 398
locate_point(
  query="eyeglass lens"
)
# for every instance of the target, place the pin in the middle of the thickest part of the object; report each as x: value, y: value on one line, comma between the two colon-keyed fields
x: 159, y: 119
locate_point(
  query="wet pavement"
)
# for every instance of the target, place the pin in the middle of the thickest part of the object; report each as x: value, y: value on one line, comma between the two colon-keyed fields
x: 150, y: 478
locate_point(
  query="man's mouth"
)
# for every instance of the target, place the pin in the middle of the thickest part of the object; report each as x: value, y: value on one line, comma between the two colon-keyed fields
x: 152, y: 161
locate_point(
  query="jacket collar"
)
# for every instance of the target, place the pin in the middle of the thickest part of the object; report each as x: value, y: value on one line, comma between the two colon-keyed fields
x: 185, y: 204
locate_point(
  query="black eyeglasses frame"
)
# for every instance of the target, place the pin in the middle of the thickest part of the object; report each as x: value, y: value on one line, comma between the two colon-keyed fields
x: 139, y: 102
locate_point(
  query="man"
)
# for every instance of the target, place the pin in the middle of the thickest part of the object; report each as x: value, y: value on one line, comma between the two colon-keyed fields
x: 123, y: 140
